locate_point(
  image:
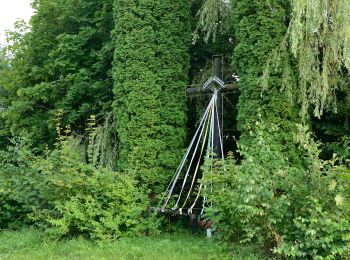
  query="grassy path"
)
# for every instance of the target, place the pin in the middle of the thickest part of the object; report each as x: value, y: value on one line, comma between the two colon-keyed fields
x: 31, y: 244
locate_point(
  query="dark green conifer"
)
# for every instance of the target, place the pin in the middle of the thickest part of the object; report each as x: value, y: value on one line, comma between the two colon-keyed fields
x: 151, y: 65
x: 259, y: 29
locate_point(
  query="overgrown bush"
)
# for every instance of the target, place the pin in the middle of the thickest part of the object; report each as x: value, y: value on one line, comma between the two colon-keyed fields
x: 66, y: 196
x: 15, y: 195
x: 319, y: 233
x: 294, y: 211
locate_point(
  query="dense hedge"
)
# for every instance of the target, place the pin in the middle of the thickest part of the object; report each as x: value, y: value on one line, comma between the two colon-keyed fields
x: 259, y: 29
x: 151, y: 64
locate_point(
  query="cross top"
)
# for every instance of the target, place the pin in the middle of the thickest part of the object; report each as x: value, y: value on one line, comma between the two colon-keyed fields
x: 215, y: 83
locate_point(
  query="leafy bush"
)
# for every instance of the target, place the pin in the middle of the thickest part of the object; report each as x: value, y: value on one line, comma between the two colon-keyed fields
x: 82, y: 198
x: 294, y: 211
x: 318, y: 234
x: 15, y: 195
x: 66, y: 196
x: 246, y: 207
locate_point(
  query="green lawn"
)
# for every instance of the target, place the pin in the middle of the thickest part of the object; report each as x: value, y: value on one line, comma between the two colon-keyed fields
x: 31, y: 244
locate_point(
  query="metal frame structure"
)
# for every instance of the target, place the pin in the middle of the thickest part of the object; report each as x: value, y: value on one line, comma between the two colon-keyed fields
x: 207, y: 143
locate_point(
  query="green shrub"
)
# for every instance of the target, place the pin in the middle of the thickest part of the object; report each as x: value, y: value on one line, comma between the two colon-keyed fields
x: 294, y: 211
x: 246, y: 207
x: 318, y: 234
x: 15, y: 195
x: 64, y: 195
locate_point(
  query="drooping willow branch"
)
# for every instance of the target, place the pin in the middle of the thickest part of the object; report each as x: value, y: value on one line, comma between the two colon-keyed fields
x: 320, y: 39
x: 211, y: 19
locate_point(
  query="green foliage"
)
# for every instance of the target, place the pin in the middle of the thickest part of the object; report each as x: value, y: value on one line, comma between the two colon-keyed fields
x: 151, y: 64
x: 212, y: 19
x: 65, y: 196
x: 98, y: 202
x: 102, y: 147
x: 297, y: 211
x: 259, y: 29
x: 333, y: 128
x: 320, y: 39
x: 320, y: 234
x: 64, y: 62
x: 249, y: 200
x: 83, y: 57
x: 16, y: 197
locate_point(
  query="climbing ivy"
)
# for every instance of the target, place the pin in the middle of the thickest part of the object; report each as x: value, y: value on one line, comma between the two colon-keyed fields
x: 260, y: 27
x: 151, y: 64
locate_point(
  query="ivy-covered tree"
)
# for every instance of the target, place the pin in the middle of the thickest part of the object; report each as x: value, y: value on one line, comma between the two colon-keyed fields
x: 151, y: 64
x: 260, y: 27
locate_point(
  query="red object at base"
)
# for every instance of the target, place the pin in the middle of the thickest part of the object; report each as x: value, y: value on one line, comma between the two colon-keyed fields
x: 205, y: 224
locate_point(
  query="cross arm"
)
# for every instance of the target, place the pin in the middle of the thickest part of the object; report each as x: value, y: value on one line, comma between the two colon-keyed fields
x: 199, y: 89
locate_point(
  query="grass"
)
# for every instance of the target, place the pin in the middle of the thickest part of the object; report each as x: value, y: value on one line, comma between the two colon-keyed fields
x: 32, y: 244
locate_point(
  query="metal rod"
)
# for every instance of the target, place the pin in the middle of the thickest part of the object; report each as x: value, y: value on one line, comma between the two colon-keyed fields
x: 218, y: 67
x: 196, y: 90
x: 217, y: 115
